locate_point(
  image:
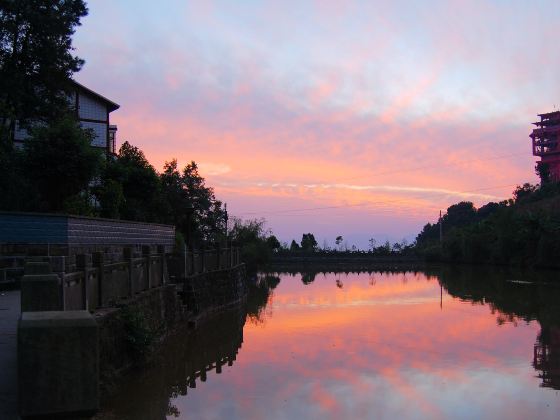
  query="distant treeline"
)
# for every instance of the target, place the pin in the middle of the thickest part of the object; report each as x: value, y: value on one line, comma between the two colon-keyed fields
x: 524, y: 230
x: 309, y: 246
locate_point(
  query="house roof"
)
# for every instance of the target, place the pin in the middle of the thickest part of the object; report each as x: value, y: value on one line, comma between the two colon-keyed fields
x: 549, y: 114
x: 111, y: 105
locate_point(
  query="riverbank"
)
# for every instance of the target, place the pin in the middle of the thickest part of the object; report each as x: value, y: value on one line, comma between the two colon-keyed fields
x: 132, y: 334
x: 372, y: 337
x: 184, y: 361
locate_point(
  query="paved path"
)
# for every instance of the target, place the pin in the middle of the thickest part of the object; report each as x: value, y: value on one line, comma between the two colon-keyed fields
x: 9, y: 315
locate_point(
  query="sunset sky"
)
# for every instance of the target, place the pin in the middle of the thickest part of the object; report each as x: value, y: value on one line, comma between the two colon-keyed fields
x: 360, y: 119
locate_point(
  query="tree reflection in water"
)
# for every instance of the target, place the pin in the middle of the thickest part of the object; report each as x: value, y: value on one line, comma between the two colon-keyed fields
x: 191, y: 356
x: 259, y: 294
x: 515, y: 297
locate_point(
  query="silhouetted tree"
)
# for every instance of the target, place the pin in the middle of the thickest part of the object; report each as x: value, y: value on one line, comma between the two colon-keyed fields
x: 254, y: 241
x: 141, y: 186
x: 273, y: 243
x: 542, y: 169
x: 308, y: 242
x: 338, y: 242
x: 36, y: 59
x: 60, y: 162
x: 524, y: 191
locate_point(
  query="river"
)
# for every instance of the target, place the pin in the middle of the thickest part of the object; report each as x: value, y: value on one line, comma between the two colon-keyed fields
x: 449, y: 342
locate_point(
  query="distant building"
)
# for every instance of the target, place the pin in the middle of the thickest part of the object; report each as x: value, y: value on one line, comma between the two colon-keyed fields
x: 92, y: 110
x: 546, y: 142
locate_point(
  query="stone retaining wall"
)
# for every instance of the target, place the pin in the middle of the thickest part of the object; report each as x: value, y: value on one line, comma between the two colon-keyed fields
x: 129, y: 332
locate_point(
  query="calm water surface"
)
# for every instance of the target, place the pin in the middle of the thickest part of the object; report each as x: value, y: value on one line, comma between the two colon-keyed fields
x: 454, y: 343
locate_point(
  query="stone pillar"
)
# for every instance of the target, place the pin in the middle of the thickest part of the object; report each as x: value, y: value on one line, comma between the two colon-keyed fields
x: 98, y: 259
x: 218, y: 255
x: 185, y: 269
x: 193, y: 265
x: 58, y: 265
x: 161, y: 252
x: 40, y: 289
x: 83, y: 263
x: 146, y: 252
x: 127, y: 256
x: 58, y: 363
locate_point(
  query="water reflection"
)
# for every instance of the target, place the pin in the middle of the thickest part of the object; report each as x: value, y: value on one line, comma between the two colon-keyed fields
x: 260, y: 291
x: 514, y: 298
x: 185, y: 363
x: 451, y: 342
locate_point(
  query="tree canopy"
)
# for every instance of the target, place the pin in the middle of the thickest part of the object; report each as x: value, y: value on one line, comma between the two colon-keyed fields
x: 36, y: 58
x: 60, y: 162
x: 308, y: 242
x: 523, y: 230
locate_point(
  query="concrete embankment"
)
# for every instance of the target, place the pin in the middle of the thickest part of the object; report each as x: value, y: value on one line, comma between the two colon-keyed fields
x: 129, y: 333
x: 67, y: 356
x: 9, y: 315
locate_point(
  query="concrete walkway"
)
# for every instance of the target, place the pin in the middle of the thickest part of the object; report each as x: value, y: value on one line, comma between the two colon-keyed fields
x: 9, y: 315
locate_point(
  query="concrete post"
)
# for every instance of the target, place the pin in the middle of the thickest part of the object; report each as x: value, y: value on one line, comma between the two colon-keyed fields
x: 83, y: 263
x: 58, y: 363
x: 127, y: 256
x: 161, y: 252
x: 218, y: 252
x: 58, y: 265
x: 98, y: 259
x: 40, y: 289
x: 193, y: 265
x: 146, y: 252
x: 185, y: 270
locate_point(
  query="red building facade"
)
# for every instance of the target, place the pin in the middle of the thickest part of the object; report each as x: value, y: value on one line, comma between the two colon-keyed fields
x: 546, y: 142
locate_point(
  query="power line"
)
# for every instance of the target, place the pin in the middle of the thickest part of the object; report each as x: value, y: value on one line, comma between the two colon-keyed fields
x: 368, y: 203
x: 400, y: 171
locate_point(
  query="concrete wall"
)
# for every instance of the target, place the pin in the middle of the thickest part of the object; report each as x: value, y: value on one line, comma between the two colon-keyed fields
x: 156, y: 312
x: 35, y: 228
x: 214, y: 289
x: 159, y: 310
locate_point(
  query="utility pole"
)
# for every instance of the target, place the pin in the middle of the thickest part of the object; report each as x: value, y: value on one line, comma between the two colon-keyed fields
x: 440, y: 228
x: 226, y: 216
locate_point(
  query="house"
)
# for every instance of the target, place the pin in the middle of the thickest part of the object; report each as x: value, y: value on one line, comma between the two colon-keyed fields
x: 92, y: 110
x: 546, y: 142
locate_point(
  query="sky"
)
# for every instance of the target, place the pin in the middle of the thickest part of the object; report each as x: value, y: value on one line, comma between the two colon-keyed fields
x: 355, y: 118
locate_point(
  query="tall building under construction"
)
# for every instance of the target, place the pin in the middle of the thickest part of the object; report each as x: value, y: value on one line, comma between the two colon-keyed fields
x: 546, y: 142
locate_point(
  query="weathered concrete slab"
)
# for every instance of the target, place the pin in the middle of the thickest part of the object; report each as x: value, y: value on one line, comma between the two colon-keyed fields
x: 9, y: 315
x: 58, y: 363
x: 40, y: 292
x: 37, y: 267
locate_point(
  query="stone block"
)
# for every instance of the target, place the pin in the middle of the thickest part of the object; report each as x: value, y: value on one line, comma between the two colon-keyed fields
x: 58, y: 363
x: 40, y: 292
x: 83, y: 261
x: 58, y: 264
x: 98, y: 258
x: 37, y: 267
